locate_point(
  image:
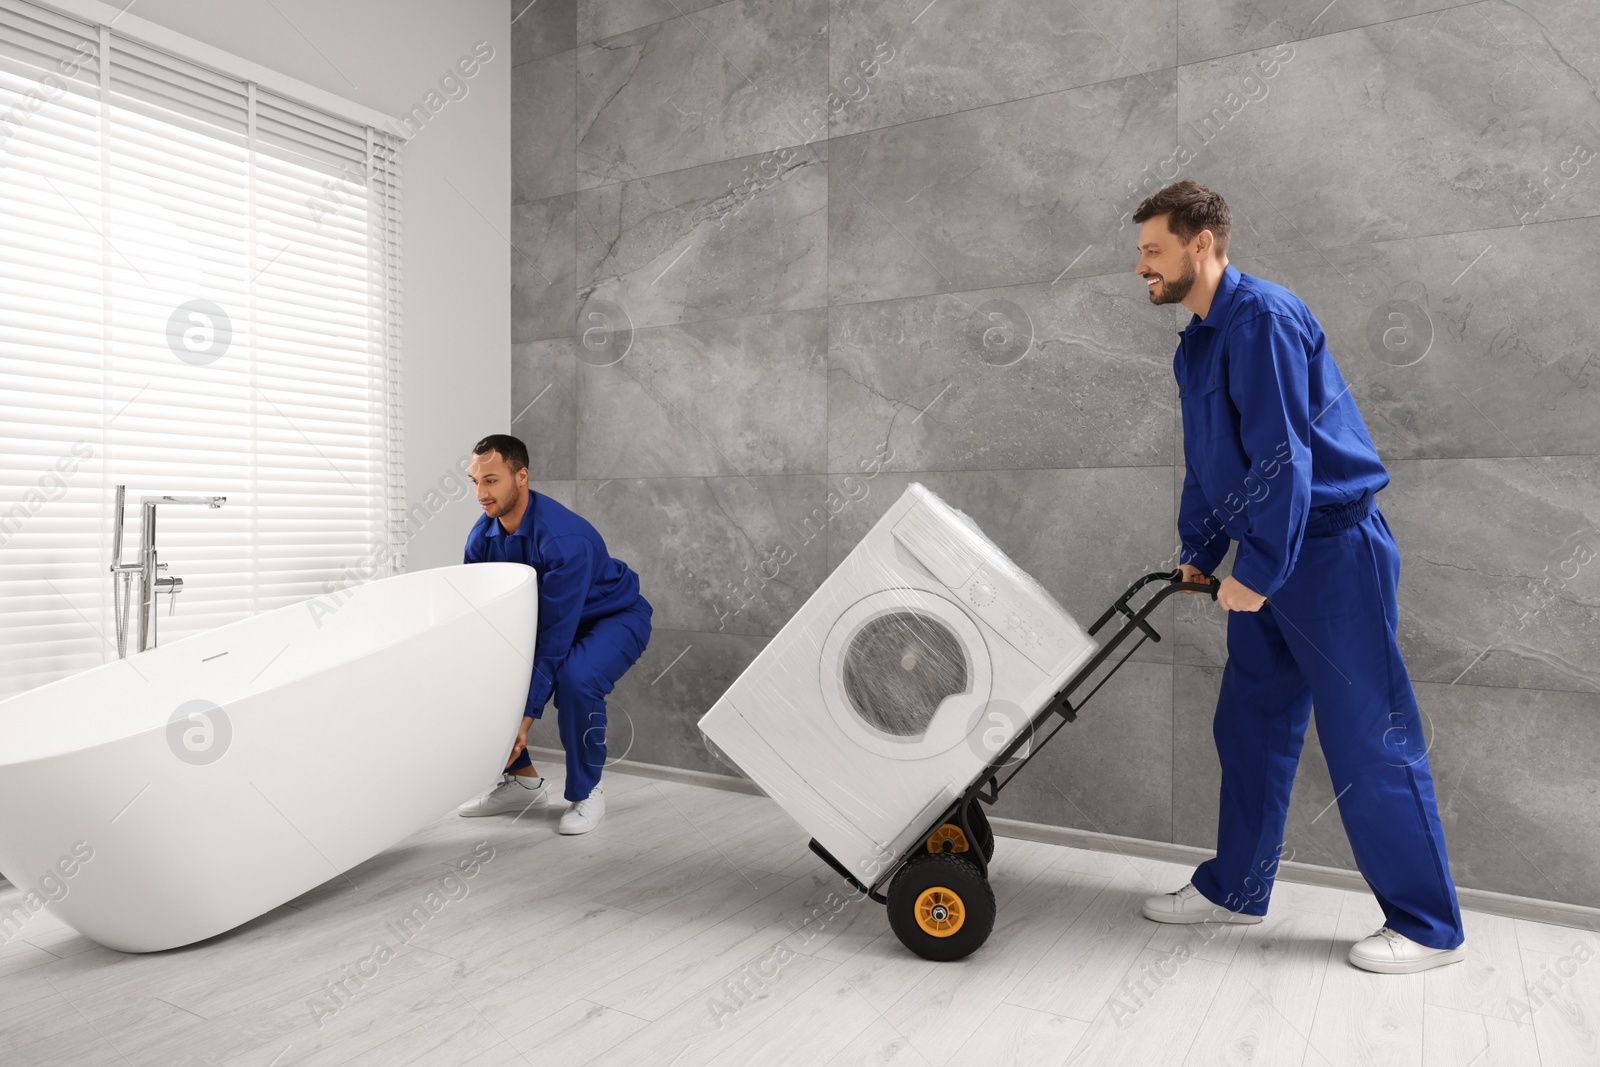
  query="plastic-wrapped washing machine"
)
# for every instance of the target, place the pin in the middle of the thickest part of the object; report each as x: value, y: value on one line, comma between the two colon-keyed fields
x: 896, y: 683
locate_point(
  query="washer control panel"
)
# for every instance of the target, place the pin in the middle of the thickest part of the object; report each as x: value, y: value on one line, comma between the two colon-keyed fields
x: 1043, y: 637
x: 959, y: 557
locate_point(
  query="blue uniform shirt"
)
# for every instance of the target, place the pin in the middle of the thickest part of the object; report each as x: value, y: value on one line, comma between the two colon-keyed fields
x: 1271, y: 433
x: 578, y: 580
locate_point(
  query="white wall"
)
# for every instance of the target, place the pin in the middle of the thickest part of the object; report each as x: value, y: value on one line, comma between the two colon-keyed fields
x: 456, y: 170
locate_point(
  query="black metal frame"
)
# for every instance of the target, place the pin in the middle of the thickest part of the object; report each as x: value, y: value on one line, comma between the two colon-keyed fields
x: 1060, y: 704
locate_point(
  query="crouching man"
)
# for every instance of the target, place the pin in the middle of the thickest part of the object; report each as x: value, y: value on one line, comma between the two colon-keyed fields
x: 593, y: 626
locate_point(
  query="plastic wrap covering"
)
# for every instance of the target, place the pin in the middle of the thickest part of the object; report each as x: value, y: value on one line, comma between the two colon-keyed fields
x: 897, y: 683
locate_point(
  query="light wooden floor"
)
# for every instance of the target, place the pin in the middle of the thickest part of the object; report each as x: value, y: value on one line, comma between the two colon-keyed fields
x: 656, y: 940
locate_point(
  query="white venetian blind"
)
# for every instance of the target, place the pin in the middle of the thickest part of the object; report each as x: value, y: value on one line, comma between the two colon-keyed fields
x: 199, y: 294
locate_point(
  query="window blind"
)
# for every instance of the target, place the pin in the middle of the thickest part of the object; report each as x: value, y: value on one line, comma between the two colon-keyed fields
x: 199, y: 294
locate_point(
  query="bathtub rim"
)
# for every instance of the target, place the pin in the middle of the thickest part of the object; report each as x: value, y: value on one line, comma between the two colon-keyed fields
x: 7, y: 764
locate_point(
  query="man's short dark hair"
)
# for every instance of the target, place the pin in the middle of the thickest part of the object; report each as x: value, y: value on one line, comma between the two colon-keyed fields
x: 1190, y: 207
x: 512, y: 450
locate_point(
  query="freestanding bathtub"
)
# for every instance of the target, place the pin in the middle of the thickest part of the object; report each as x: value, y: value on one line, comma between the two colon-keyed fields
x: 164, y: 798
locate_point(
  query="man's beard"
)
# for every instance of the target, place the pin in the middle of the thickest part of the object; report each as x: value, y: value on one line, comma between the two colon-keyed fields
x: 1174, y: 290
x: 500, y: 511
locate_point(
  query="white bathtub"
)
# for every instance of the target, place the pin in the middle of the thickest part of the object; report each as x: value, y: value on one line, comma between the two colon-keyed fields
x: 355, y: 719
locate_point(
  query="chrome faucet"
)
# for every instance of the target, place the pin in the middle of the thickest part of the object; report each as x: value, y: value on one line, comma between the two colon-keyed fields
x: 151, y: 583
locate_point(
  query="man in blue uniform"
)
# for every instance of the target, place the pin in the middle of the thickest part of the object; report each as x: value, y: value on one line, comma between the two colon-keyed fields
x: 593, y: 624
x: 1279, y: 461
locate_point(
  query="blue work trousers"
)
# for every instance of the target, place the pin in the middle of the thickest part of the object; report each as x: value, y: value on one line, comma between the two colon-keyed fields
x: 601, y: 653
x: 1327, y: 639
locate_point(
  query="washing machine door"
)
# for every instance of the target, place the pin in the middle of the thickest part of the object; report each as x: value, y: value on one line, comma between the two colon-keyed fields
x: 904, y: 673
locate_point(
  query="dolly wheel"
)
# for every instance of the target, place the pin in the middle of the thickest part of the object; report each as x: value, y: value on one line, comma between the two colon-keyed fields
x: 949, y: 838
x: 940, y: 907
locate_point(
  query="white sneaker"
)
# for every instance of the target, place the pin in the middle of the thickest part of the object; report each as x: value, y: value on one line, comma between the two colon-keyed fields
x: 1388, y: 952
x: 584, y: 814
x: 509, y: 795
x: 1189, y: 905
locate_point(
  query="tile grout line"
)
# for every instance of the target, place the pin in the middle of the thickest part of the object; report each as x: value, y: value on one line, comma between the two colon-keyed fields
x: 1175, y: 69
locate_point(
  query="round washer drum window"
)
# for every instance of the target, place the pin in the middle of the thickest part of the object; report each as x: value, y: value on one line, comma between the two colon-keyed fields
x: 900, y: 667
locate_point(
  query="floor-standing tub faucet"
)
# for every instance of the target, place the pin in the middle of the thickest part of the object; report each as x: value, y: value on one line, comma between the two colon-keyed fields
x: 151, y: 583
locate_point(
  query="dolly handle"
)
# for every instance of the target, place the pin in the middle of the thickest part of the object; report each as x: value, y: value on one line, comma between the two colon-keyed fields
x: 1210, y: 585
x: 1170, y: 585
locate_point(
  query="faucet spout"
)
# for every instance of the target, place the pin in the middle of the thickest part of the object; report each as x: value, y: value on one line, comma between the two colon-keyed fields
x: 203, y: 501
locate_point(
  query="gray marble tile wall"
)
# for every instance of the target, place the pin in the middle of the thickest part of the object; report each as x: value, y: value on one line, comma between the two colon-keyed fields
x: 755, y: 241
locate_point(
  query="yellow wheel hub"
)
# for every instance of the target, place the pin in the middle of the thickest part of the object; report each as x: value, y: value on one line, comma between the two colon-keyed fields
x: 940, y: 912
x: 948, y: 832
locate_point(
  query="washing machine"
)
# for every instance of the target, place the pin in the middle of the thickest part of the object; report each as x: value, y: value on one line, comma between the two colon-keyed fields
x: 898, y: 681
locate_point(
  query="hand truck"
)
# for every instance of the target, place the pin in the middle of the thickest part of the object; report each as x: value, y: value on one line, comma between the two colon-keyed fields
x: 940, y: 903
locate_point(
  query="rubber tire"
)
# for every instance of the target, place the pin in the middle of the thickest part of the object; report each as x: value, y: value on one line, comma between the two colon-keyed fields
x: 981, y: 829
x: 928, y: 869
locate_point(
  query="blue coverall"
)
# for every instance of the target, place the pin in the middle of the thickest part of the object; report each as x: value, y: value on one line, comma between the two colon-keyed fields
x: 593, y: 625
x: 1280, y: 461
